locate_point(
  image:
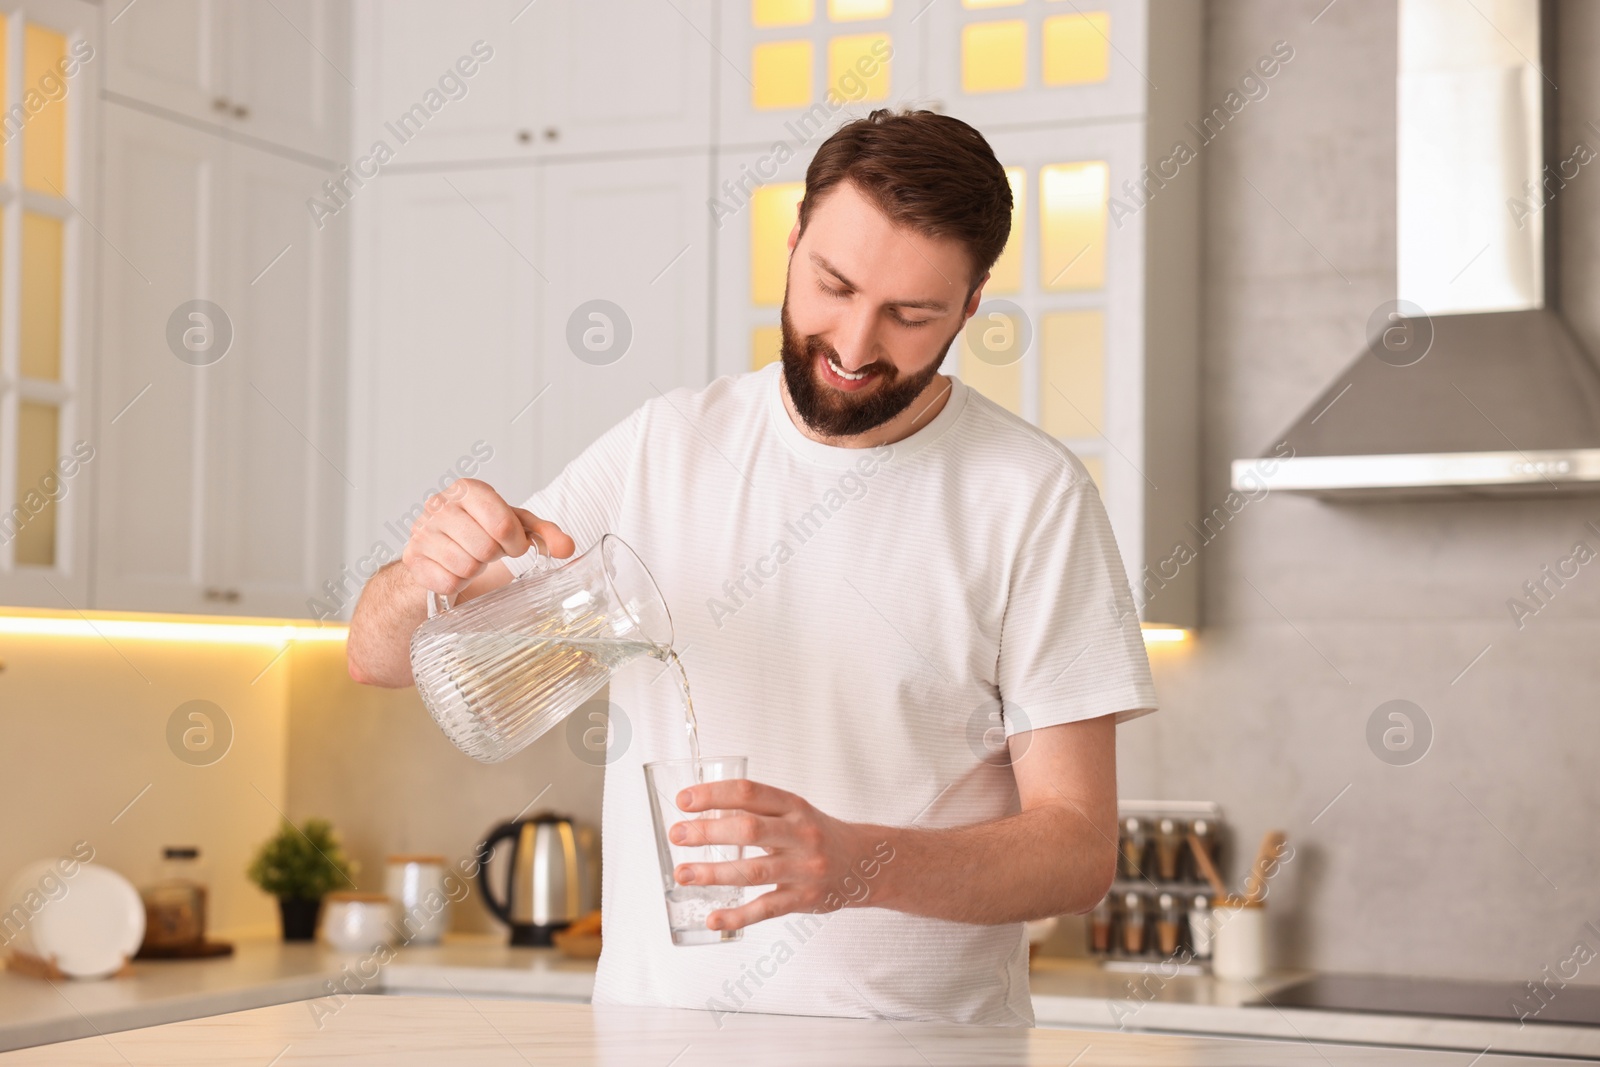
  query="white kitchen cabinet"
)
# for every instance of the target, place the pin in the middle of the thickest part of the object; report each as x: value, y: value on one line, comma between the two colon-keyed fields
x: 444, y: 360
x: 636, y: 237
x: 509, y: 79
x: 791, y: 70
x: 269, y: 71
x: 221, y: 457
x: 465, y: 296
x: 1029, y: 61
x: 48, y: 449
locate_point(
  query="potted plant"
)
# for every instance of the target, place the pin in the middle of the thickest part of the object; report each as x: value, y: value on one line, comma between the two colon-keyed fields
x: 299, y: 865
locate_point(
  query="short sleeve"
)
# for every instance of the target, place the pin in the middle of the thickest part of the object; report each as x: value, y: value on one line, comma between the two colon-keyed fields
x: 585, y: 499
x: 1070, y: 643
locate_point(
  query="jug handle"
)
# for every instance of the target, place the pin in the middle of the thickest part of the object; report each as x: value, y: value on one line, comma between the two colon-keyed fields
x: 541, y: 560
x: 485, y: 853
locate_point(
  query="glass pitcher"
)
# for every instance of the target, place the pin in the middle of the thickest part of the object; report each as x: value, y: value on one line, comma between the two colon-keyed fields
x: 501, y: 669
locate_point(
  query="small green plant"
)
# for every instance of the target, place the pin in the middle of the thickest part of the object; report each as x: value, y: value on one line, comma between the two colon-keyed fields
x: 304, y: 862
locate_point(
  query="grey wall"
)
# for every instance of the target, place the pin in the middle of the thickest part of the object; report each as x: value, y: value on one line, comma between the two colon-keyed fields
x: 1479, y: 860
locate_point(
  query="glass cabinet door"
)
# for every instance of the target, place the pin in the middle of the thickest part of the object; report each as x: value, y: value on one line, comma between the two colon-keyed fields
x: 47, y: 94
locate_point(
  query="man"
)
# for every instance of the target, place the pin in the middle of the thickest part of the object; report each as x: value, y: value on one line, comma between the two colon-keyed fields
x: 901, y: 602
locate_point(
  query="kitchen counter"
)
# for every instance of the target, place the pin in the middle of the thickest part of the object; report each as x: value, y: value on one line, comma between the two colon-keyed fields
x: 1075, y: 994
x: 429, y: 1030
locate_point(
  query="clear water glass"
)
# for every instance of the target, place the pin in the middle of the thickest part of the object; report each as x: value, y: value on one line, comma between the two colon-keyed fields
x: 689, y: 905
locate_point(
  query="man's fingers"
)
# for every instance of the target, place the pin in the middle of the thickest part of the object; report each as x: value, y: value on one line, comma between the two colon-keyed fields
x: 740, y: 829
x: 768, y: 905
x: 750, y: 871
x: 554, y: 537
x: 738, y: 793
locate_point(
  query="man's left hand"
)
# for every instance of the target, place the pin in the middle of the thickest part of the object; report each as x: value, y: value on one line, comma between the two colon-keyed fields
x: 815, y: 862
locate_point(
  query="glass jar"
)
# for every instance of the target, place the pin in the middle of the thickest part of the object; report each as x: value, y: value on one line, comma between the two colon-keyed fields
x: 175, y: 903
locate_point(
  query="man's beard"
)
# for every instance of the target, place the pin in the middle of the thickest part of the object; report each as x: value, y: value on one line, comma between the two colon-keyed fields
x: 832, y: 412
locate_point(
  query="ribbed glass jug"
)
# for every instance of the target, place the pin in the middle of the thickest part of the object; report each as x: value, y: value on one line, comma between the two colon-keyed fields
x: 501, y: 669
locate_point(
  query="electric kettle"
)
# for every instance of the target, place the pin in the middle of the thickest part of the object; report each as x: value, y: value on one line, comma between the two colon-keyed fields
x: 547, y: 880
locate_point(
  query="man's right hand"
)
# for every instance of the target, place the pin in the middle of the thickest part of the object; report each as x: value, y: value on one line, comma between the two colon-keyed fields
x: 467, y: 527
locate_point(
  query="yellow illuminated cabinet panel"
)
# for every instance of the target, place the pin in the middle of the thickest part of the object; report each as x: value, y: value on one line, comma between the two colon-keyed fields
x: 782, y: 75
x: 781, y: 12
x: 995, y: 368
x: 41, y: 296
x: 38, y: 429
x: 1077, y: 48
x: 855, y: 10
x: 5, y: 82
x: 1072, y: 225
x: 766, y: 346
x: 979, y: 5
x: 1006, y: 274
x: 994, y: 56
x: 772, y: 216
x: 1072, y: 372
x: 848, y: 57
x: 44, y: 138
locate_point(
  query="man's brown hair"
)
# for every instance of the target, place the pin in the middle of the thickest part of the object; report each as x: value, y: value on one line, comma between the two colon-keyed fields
x: 928, y: 172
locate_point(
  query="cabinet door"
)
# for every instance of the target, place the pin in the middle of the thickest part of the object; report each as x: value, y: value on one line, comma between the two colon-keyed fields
x: 288, y: 72
x: 161, y: 184
x: 275, y: 438
x: 444, y: 374
x: 618, y: 75
x: 451, y: 82
x: 166, y: 53
x: 48, y: 440
x: 794, y: 70
x: 1012, y: 63
x: 625, y: 254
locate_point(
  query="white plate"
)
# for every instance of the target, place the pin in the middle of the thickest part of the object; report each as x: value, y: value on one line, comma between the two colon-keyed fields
x: 88, y: 922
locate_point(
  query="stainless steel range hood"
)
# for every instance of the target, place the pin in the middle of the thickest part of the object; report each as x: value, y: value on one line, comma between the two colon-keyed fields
x: 1470, y: 384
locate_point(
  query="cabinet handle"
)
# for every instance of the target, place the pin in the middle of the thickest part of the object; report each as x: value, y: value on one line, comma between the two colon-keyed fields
x: 240, y: 111
x: 551, y: 133
x: 226, y: 596
x: 524, y: 136
x: 219, y: 104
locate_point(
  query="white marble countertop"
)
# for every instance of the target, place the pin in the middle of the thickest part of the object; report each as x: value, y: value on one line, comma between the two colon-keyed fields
x: 488, y: 1032
x: 1075, y: 994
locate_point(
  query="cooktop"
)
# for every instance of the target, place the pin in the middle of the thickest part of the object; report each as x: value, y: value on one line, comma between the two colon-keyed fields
x: 1570, y: 1005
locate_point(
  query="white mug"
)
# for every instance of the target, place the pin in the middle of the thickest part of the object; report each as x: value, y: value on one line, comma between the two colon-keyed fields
x: 416, y: 885
x: 1239, y: 942
x: 357, y: 922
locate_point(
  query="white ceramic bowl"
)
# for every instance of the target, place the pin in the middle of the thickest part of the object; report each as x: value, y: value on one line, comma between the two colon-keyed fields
x: 88, y: 922
x: 357, y: 922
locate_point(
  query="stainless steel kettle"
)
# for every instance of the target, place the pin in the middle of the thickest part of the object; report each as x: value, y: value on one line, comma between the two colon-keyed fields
x: 547, y: 881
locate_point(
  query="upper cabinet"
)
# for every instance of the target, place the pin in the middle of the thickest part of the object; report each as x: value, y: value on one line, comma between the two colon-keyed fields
x: 998, y: 63
x: 270, y: 71
x: 50, y: 62
x: 503, y: 80
x: 221, y: 429
x: 790, y: 70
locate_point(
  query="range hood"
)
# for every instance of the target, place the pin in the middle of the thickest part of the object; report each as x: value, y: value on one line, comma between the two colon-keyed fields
x: 1470, y: 384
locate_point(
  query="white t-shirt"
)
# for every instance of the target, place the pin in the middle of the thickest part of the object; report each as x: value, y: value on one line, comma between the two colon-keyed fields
x: 861, y: 624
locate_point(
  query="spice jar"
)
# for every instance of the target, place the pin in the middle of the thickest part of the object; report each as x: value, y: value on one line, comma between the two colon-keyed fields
x: 1169, y: 920
x: 175, y: 904
x: 1200, y: 927
x: 1133, y: 924
x: 1206, y: 831
x: 1169, y: 848
x: 1100, y: 927
x: 1134, y: 841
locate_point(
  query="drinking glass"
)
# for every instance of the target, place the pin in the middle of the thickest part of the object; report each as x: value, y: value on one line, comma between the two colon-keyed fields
x: 689, y: 905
